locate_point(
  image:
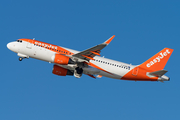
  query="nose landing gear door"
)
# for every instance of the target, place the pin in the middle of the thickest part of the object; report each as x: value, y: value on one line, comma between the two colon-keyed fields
x: 29, y: 44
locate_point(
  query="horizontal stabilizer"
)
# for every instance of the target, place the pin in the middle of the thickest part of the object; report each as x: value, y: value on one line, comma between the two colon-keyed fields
x: 158, y: 73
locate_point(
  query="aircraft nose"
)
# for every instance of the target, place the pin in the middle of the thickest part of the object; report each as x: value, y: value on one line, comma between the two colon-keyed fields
x: 9, y: 45
x: 12, y: 46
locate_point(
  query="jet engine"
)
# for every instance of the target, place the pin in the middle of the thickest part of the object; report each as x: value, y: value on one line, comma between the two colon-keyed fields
x: 61, y: 59
x: 57, y: 70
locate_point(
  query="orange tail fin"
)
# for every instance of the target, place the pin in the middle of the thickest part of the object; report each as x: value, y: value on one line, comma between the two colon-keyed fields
x: 158, y: 61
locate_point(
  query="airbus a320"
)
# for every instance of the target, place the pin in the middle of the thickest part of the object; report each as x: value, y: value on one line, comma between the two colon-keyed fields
x: 75, y: 63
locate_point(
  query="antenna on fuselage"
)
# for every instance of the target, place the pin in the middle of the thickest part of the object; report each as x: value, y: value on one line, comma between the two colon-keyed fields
x: 33, y: 38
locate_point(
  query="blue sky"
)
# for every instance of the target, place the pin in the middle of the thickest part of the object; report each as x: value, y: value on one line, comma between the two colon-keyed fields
x: 29, y: 90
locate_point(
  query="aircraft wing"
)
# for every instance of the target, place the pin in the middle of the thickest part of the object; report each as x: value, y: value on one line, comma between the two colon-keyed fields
x: 89, y: 54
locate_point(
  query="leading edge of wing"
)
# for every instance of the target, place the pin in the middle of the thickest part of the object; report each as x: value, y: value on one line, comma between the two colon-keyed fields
x: 89, y: 54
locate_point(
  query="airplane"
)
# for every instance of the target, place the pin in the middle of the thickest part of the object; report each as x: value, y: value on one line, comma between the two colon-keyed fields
x: 75, y: 63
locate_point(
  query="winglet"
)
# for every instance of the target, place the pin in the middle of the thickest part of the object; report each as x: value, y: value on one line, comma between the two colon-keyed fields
x: 109, y: 40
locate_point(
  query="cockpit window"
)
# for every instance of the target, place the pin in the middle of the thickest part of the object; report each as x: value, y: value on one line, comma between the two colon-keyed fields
x: 19, y: 41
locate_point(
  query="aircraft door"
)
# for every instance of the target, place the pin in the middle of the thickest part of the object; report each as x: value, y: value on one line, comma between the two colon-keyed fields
x: 29, y: 45
x: 135, y: 71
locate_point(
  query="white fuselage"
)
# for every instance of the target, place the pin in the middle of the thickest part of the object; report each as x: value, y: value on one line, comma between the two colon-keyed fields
x: 108, y: 68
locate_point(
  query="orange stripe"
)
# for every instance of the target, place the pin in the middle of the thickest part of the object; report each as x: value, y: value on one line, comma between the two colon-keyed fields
x: 48, y: 46
x: 95, y: 53
x: 88, y: 57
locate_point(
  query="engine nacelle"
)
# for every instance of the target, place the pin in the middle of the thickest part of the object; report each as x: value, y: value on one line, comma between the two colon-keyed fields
x: 61, y: 59
x: 57, y: 70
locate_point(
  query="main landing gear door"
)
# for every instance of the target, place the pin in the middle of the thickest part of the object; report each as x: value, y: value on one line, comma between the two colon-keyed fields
x: 135, y: 71
x: 29, y: 45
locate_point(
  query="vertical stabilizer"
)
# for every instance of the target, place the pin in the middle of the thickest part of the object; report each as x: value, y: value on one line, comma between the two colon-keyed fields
x: 158, y: 61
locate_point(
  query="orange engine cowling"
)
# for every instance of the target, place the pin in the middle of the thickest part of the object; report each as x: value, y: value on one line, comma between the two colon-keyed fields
x: 57, y: 70
x: 63, y: 60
